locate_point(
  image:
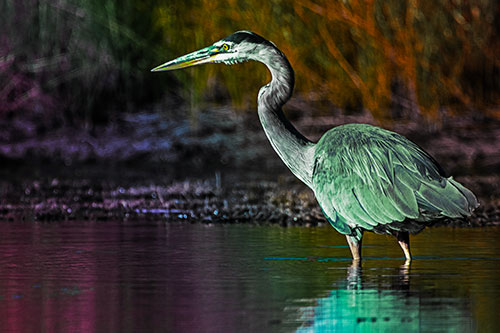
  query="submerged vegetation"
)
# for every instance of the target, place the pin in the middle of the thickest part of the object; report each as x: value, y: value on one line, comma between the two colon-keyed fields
x: 68, y: 62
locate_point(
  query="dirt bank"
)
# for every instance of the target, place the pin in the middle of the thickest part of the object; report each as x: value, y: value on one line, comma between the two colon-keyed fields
x: 130, y: 193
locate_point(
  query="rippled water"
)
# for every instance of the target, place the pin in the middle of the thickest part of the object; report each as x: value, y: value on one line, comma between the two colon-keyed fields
x: 130, y: 277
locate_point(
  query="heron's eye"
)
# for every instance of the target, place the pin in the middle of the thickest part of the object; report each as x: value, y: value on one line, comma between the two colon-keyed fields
x: 225, y: 47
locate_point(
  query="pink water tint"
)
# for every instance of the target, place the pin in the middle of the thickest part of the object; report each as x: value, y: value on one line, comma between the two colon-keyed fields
x: 118, y: 276
x: 52, y: 289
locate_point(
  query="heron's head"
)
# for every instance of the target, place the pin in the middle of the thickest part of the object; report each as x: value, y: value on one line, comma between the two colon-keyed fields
x: 237, y: 47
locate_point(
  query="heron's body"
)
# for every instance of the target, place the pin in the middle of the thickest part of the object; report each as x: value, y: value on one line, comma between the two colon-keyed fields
x: 368, y: 178
x: 364, y: 177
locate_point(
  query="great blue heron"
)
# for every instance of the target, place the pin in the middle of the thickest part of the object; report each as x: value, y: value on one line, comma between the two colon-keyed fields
x: 364, y: 177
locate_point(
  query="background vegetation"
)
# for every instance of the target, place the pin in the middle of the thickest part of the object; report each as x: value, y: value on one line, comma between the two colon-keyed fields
x: 381, y: 55
x: 80, y: 63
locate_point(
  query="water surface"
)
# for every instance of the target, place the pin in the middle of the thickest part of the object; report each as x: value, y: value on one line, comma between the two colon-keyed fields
x: 157, y: 277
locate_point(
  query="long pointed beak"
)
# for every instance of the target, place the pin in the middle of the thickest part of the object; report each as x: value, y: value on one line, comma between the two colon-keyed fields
x: 199, y: 57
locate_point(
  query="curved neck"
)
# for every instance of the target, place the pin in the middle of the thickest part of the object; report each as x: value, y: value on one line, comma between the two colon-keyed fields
x: 296, y: 151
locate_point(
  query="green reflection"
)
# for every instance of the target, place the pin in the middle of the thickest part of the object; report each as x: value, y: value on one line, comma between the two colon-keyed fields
x: 358, y: 307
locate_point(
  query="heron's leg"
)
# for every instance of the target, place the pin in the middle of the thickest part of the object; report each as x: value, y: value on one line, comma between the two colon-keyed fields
x: 403, y: 238
x: 355, y: 246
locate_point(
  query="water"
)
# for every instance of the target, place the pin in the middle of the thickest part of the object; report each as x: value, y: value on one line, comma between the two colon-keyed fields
x: 156, y: 277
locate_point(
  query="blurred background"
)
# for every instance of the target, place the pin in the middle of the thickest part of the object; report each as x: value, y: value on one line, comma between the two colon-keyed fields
x: 76, y: 86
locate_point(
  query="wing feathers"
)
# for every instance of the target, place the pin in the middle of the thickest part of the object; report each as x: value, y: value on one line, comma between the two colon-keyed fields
x: 365, y: 176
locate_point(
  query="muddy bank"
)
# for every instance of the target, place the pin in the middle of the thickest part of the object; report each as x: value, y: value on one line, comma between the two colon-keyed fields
x: 222, y: 197
x: 217, y: 169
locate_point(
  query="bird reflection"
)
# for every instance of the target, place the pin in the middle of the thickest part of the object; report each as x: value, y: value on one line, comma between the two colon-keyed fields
x: 353, y: 280
x: 404, y: 273
x: 355, y: 272
x: 377, y: 300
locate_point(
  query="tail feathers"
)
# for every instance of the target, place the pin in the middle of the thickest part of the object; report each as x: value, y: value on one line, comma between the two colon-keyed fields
x: 470, y: 197
x: 448, y: 198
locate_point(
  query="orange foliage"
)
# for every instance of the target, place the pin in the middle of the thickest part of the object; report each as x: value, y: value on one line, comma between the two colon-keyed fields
x: 354, y: 52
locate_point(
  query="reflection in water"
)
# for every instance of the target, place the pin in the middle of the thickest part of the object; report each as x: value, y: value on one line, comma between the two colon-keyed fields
x: 147, y: 277
x: 358, y: 307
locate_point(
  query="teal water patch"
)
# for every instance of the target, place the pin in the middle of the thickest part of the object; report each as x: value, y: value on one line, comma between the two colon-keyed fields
x: 372, y: 310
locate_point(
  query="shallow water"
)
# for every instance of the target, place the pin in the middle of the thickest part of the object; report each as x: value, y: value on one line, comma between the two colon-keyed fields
x: 130, y: 277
